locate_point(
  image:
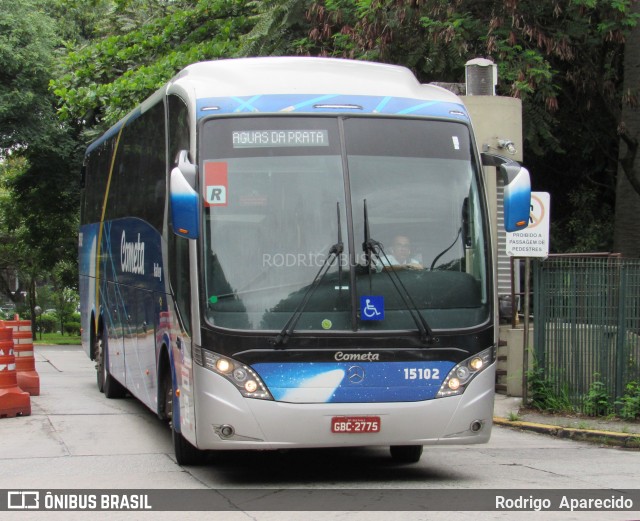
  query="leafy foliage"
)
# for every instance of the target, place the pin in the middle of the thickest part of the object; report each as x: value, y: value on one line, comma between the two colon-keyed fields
x: 589, y: 226
x: 47, y: 323
x: 88, y: 62
x: 26, y: 49
x: 38, y: 155
x: 562, y: 58
x: 597, y: 401
x: 629, y: 403
x: 105, y: 79
x: 278, y: 26
x: 546, y: 394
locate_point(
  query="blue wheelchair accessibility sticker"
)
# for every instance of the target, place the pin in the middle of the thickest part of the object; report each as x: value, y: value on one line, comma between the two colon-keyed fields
x: 372, y: 307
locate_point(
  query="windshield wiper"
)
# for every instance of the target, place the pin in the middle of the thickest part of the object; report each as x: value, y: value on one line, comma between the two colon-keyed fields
x: 369, y: 245
x: 373, y: 248
x: 446, y: 250
x: 463, y: 230
x: 334, y: 253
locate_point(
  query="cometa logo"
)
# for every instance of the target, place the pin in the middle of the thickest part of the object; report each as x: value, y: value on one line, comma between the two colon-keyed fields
x: 357, y: 357
x: 131, y: 255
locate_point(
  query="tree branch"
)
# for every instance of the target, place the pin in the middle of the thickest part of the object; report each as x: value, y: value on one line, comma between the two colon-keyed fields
x: 627, y: 163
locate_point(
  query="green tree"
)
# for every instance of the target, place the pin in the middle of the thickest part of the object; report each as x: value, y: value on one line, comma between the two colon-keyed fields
x: 279, y: 28
x: 562, y: 58
x: 12, y: 251
x: 80, y: 21
x: 627, y: 231
x: 15, y: 253
x: 39, y: 154
x: 145, y: 46
x: 64, y: 295
x: 26, y: 57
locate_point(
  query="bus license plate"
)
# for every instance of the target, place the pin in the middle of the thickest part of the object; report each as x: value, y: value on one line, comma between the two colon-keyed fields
x: 355, y: 424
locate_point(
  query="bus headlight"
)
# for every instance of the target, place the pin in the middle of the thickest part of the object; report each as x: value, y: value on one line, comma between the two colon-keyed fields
x: 459, y: 377
x: 242, y: 376
x: 223, y: 365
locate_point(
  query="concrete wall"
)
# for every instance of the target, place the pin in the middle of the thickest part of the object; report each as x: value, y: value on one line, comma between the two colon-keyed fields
x: 496, y: 118
x: 515, y: 357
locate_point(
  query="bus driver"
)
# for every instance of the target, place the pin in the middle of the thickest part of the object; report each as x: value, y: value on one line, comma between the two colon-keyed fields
x: 401, y: 254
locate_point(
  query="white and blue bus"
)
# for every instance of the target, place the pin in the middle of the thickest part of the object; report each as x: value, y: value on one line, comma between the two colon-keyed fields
x: 241, y: 259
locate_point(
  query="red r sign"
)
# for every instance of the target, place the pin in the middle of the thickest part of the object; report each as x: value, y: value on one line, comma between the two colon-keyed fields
x: 216, y: 183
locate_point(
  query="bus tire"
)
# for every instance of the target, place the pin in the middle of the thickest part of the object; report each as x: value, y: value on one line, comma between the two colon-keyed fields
x: 110, y: 386
x: 186, y: 454
x: 165, y: 391
x: 406, y: 453
x: 97, y: 356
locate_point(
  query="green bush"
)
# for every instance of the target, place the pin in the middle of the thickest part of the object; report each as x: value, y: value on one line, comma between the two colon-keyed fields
x: 544, y: 395
x: 72, y: 328
x: 597, y: 401
x: 630, y: 402
x: 48, y: 323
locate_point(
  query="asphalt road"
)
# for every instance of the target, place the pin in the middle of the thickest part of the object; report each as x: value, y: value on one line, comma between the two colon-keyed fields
x: 77, y: 439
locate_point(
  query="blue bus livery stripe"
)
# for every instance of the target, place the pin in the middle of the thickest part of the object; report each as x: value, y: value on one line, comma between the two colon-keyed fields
x: 274, y: 103
x: 245, y: 104
x: 382, y: 104
x: 353, y: 382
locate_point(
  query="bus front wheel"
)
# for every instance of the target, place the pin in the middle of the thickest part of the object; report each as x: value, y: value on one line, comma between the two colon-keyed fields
x: 406, y: 453
x: 186, y: 454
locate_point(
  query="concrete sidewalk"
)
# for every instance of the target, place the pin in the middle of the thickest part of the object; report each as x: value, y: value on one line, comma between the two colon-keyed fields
x: 508, y: 412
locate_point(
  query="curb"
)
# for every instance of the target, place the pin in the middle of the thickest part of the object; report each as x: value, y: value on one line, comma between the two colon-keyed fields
x: 617, y: 439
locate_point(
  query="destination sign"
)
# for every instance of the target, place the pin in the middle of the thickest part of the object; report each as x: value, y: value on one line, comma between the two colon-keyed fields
x: 280, y: 138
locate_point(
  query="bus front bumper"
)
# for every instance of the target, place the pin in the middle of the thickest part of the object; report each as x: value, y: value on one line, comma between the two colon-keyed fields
x: 227, y: 421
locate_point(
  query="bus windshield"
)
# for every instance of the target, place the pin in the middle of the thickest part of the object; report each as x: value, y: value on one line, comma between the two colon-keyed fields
x: 281, y: 193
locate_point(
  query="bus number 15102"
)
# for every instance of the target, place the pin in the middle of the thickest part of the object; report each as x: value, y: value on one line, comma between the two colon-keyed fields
x: 421, y: 373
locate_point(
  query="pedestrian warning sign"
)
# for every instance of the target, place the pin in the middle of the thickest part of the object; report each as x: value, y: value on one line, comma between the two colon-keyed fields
x: 533, y: 241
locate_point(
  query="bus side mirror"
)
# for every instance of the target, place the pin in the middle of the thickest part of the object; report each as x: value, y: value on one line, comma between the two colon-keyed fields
x: 184, y: 198
x: 517, y: 191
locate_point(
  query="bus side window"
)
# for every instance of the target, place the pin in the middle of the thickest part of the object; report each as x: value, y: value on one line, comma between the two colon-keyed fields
x: 179, y: 272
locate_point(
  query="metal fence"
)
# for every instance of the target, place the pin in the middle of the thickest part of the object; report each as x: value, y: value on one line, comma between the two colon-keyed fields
x: 587, y: 324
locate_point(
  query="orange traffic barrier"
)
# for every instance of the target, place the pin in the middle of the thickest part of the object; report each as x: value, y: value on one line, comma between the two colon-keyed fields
x: 28, y: 378
x: 13, y: 400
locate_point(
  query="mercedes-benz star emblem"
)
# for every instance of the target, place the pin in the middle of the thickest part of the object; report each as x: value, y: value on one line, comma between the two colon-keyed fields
x: 355, y: 374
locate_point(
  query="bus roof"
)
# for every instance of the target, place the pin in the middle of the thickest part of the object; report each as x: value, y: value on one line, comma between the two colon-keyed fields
x: 296, y: 83
x: 304, y: 75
